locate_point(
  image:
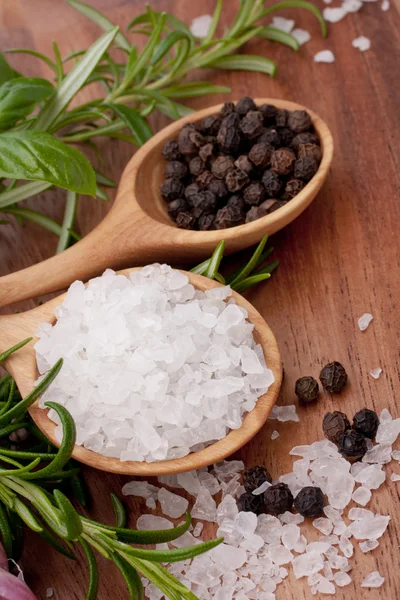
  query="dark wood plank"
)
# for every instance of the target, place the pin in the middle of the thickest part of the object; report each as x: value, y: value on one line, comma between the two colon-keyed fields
x: 338, y: 260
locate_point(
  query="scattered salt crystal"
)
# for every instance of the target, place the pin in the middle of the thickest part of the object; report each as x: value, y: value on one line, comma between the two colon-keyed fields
x: 396, y: 455
x: 324, y: 56
x: 307, y: 564
x: 320, y: 547
x: 274, y: 435
x: 198, y: 529
x: 153, y: 522
x: 346, y: 546
x: 201, y: 25
x: 373, y: 580
x: 352, y: 6
x: 385, y: 5
x: 339, y: 489
x: 189, y: 482
x: 228, y: 557
x: 301, y: 35
x: 334, y: 15
x: 246, y: 523
x: 280, y: 555
x: 362, y: 43
x: 283, y: 24
x: 49, y: 593
x: 362, y: 495
x: 371, y: 477
x: 380, y: 454
x: 300, y: 450
x: 341, y: 578
x: 369, y: 528
x: 331, y: 539
x: 290, y: 535
x: 375, y: 373
x: 333, y: 514
x: 261, y: 489
x: 284, y: 413
x: 151, y: 503
x: 172, y: 505
x: 385, y: 416
x: 205, y: 506
x: 325, y: 586
x: 368, y: 545
x: 388, y: 431
x: 142, y: 489
x: 323, y: 525
x: 355, y: 514
x: 366, y: 318
x: 395, y: 477
x: 291, y: 518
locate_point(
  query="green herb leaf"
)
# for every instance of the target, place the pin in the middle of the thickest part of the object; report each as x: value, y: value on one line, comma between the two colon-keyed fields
x: 36, y: 217
x: 6, y: 72
x: 245, y: 62
x: 119, y: 511
x: 10, y: 351
x: 251, y: 265
x: 22, y: 192
x: 35, y: 155
x: 54, y: 543
x: 277, y: 35
x: 69, y: 515
x: 214, y: 22
x: 100, y: 20
x: 244, y: 285
x: 19, y: 96
x: 166, y: 44
x: 6, y: 533
x: 75, y: 79
x: 194, y: 89
x: 296, y: 4
x: 43, y: 57
x: 132, y: 579
x: 215, y: 260
x: 93, y: 571
x: 68, y: 221
x: 137, y: 124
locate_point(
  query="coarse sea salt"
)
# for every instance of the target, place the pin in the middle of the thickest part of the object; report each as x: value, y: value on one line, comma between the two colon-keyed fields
x: 385, y: 5
x: 362, y: 43
x: 283, y: 24
x: 200, y: 26
x: 375, y: 373
x: 153, y: 368
x: 334, y: 15
x: 274, y: 435
x: 373, y: 580
x: 365, y: 319
x: 324, y: 56
x: 301, y: 35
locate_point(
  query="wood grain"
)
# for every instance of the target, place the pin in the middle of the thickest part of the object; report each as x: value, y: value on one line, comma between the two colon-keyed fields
x: 339, y: 259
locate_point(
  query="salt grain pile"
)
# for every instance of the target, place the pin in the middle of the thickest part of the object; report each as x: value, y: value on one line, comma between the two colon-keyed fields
x: 258, y: 553
x: 152, y: 367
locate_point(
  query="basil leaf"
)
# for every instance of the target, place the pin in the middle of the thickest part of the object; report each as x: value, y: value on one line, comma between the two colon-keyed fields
x: 6, y: 72
x: 138, y: 126
x: 19, y: 96
x: 34, y: 155
x: 75, y: 79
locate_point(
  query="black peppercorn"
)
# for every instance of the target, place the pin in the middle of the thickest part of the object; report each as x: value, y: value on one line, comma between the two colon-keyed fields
x: 260, y: 155
x: 236, y: 179
x: 299, y: 121
x: 310, y: 150
x: 206, y: 151
x: 366, y: 422
x: 218, y: 188
x: 204, y: 179
x: 170, y: 150
x: 334, y: 425
x: 202, y: 203
x: 196, y: 166
x: 191, y: 190
x: 270, y: 136
x: 238, y: 201
x: 210, y: 125
x: 266, y: 208
x: 278, y: 499
x: 177, y: 206
x: 272, y: 183
x: 186, y: 141
x: 352, y: 444
x: 281, y: 117
x: 254, y: 477
x: 333, y: 377
x: 307, y: 389
x: 283, y: 160
x: 269, y: 112
x: 305, y: 168
x: 252, y: 124
x: 292, y: 188
x: 221, y: 166
x: 244, y: 164
x: 244, y: 105
x: 310, y: 502
x: 228, y: 216
x: 171, y: 189
x: 248, y: 502
x: 254, y: 193
x: 286, y: 136
x: 229, y: 134
x: 206, y: 222
x: 304, y: 138
x: 227, y: 109
x: 185, y: 220
x: 175, y: 168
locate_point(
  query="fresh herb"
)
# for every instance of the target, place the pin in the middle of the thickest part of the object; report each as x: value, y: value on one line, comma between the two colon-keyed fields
x: 25, y: 496
x: 37, y: 122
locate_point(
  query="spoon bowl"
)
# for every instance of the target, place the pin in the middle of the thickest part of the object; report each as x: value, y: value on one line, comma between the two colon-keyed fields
x: 138, y: 230
x: 22, y: 367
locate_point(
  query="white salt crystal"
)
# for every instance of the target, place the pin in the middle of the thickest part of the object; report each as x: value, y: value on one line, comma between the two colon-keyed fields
x: 352, y: 6
x: 388, y: 431
x: 246, y: 523
x: 341, y: 579
x: 151, y: 503
x: 290, y: 535
x: 333, y: 514
x: 284, y: 413
x: 323, y: 525
x: 373, y: 580
x: 379, y: 454
x: 396, y: 455
x: 172, y: 505
x: 362, y: 495
x: 153, y: 522
x: 291, y: 518
x: 329, y: 539
x: 274, y: 435
x: 324, y: 56
x: 346, y: 546
x: 355, y: 514
x: 369, y: 528
x: 201, y: 25
x: 49, y: 593
x: 385, y: 5
x: 375, y: 373
x: 198, y: 529
x: 283, y: 24
x: 301, y: 35
x: 189, y: 482
x: 301, y: 545
x: 325, y: 586
x: 385, y: 416
x: 366, y: 318
x: 339, y: 489
x: 334, y: 15
x: 205, y: 507
x: 280, y: 555
x: 320, y: 547
x: 262, y: 488
x: 368, y: 545
x: 142, y: 489
x: 395, y: 477
x: 228, y: 557
x: 371, y: 477
x: 307, y: 564
x: 362, y: 43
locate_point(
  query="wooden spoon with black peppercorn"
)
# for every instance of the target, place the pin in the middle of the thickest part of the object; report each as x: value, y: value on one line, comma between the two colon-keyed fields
x: 138, y: 229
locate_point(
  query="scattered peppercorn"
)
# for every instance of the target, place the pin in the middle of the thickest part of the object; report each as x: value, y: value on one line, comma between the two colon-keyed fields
x: 248, y: 502
x: 334, y: 425
x: 366, y: 422
x: 278, y: 499
x: 333, y: 377
x: 307, y: 389
x: 310, y: 502
x: 254, y: 477
x: 352, y: 444
x: 252, y: 159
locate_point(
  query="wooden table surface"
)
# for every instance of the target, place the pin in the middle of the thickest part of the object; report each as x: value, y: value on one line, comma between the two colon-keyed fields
x: 338, y: 260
